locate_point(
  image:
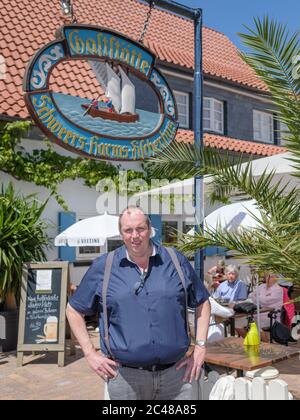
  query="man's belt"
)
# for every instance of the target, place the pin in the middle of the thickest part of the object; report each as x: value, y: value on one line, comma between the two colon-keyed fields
x: 151, y: 368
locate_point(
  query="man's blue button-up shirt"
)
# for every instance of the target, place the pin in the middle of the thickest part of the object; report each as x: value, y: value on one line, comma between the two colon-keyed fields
x: 148, y: 327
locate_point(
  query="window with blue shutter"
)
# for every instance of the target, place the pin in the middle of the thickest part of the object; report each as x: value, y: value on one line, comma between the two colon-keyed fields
x: 65, y: 220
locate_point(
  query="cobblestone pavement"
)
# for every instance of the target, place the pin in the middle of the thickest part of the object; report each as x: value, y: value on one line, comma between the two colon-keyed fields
x: 41, y: 379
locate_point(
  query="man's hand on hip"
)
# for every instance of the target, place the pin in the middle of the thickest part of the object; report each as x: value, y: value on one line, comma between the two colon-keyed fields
x: 102, y: 365
x: 193, y: 364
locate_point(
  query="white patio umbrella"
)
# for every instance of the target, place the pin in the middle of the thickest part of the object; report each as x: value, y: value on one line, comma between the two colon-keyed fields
x: 279, y: 163
x: 234, y: 216
x: 93, y: 231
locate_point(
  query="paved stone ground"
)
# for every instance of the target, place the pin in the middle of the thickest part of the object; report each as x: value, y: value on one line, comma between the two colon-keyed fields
x: 290, y: 373
x: 41, y: 379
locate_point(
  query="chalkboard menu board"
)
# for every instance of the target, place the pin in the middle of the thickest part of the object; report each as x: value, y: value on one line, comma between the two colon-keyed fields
x: 42, y: 311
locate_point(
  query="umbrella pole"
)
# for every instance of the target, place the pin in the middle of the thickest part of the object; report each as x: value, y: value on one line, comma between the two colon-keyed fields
x: 258, y: 305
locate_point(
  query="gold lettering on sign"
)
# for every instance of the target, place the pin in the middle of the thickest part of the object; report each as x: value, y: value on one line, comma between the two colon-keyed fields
x: 105, y: 49
x: 48, y: 116
x: 93, y: 145
x: 62, y: 131
x: 76, y: 43
x: 125, y: 152
x: 144, y: 66
x: 91, y: 46
x: 69, y: 135
x: 100, y: 52
x: 82, y: 141
x: 56, y: 126
x: 117, y: 50
x: 45, y: 99
x: 111, y: 49
x: 104, y: 45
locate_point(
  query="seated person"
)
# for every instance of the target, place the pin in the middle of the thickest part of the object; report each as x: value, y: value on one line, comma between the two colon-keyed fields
x: 289, y: 307
x: 270, y: 295
x: 216, y: 330
x: 217, y: 274
x: 233, y: 289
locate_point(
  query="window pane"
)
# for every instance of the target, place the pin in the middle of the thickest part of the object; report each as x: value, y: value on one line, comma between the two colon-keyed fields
x: 182, y: 99
x: 218, y: 106
x: 168, y: 231
x: 114, y: 244
x: 187, y: 226
x: 89, y: 250
x: 218, y: 116
x: 206, y: 103
x: 213, y: 115
x: 263, y: 129
x: 206, y: 124
x: 182, y: 121
x: 181, y: 109
x: 218, y: 126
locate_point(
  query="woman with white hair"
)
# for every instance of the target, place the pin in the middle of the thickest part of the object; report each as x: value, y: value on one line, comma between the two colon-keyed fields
x: 233, y: 289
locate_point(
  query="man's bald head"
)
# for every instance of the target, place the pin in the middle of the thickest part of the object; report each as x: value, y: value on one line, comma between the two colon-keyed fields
x: 132, y: 211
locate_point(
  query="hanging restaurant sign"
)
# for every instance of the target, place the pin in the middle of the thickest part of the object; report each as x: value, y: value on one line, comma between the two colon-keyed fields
x: 109, y: 125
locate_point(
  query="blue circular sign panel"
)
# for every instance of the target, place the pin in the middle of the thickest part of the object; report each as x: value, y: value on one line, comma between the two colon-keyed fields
x: 107, y: 127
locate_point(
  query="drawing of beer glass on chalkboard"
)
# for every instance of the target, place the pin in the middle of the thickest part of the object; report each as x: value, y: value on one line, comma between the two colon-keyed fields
x: 50, y: 331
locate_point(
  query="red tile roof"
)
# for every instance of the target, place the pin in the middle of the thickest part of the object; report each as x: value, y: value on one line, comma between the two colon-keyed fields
x: 234, y: 145
x: 27, y: 25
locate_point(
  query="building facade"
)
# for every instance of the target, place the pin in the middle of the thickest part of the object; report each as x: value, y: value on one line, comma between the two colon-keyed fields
x: 238, y: 115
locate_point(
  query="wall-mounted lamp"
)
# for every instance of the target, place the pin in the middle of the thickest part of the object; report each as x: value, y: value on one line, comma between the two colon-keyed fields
x: 66, y: 7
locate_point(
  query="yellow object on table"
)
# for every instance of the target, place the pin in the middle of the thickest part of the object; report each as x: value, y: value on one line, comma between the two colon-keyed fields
x: 252, y: 337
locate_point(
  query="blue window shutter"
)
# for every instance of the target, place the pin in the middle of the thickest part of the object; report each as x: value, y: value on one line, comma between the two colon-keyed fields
x: 222, y: 251
x: 156, y: 224
x: 65, y: 220
x: 210, y: 251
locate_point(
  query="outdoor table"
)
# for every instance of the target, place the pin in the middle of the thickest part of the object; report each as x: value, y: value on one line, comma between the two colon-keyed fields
x: 230, y: 352
x: 231, y: 321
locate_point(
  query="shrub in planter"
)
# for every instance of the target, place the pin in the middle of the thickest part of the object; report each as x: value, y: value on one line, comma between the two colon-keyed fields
x: 23, y: 239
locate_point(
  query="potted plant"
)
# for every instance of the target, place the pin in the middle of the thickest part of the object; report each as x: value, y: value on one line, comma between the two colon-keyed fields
x: 23, y: 238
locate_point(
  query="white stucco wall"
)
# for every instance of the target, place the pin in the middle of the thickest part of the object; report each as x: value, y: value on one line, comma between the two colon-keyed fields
x: 80, y: 199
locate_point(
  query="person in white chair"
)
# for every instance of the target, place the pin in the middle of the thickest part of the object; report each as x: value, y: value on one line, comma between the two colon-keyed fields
x: 216, y: 329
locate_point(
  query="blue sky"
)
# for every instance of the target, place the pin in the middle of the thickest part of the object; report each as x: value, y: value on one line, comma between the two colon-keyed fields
x: 228, y: 16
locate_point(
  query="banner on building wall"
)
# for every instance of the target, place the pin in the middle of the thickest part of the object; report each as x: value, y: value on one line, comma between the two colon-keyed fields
x: 105, y: 124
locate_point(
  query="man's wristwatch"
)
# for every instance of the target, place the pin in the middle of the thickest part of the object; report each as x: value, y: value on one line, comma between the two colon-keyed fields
x: 201, y: 343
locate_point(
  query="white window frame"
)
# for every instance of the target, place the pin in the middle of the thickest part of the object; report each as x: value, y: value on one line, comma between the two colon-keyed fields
x: 187, y: 114
x: 212, y: 120
x: 259, y: 134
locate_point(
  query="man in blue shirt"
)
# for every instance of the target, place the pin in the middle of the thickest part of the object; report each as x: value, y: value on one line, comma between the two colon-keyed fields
x: 147, y: 338
x: 232, y: 289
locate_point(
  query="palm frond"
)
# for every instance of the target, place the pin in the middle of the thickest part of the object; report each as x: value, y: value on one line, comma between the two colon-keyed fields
x: 272, y: 56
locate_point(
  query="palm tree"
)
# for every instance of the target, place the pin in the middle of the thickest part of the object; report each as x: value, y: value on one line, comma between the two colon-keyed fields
x: 275, y: 245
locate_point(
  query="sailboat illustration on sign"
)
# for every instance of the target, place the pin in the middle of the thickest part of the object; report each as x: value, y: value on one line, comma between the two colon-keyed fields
x: 119, y: 104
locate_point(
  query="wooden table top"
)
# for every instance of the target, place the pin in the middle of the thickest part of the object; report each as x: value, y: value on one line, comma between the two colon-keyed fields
x: 231, y: 352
